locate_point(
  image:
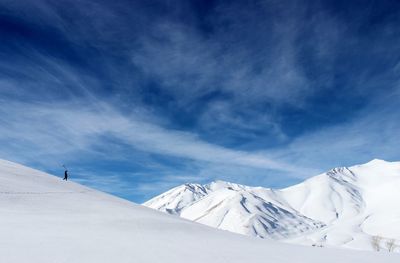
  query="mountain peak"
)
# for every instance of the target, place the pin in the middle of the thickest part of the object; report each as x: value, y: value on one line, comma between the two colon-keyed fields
x: 377, y: 161
x: 219, y: 184
x: 380, y: 162
x: 378, y: 167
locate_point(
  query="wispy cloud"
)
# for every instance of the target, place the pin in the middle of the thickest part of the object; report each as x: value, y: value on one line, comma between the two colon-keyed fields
x: 49, y: 129
x: 372, y: 133
x: 190, y: 66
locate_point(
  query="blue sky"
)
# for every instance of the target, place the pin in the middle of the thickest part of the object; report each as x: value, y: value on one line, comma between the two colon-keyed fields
x: 136, y: 97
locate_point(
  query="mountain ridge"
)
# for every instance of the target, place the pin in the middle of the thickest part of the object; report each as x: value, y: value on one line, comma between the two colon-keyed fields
x: 343, y: 207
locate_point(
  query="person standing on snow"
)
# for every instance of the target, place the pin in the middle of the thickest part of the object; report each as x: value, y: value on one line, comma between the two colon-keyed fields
x: 66, y: 175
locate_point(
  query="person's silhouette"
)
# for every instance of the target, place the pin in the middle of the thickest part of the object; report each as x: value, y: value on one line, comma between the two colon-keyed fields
x: 66, y: 175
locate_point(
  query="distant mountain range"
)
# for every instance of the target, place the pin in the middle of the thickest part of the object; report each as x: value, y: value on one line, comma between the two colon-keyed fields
x: 344, y: 207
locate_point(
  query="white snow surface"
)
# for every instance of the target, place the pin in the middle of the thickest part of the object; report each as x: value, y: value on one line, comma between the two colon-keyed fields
x: 44, y: 219
x: 344, y: 207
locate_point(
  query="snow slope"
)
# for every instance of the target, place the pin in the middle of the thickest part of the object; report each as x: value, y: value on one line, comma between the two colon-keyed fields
x: 344, y: 207
x: 44, y: 219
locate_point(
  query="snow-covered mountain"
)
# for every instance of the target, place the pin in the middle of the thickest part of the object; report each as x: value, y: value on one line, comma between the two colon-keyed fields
x: 345, y: 207
x: 45, y: 220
